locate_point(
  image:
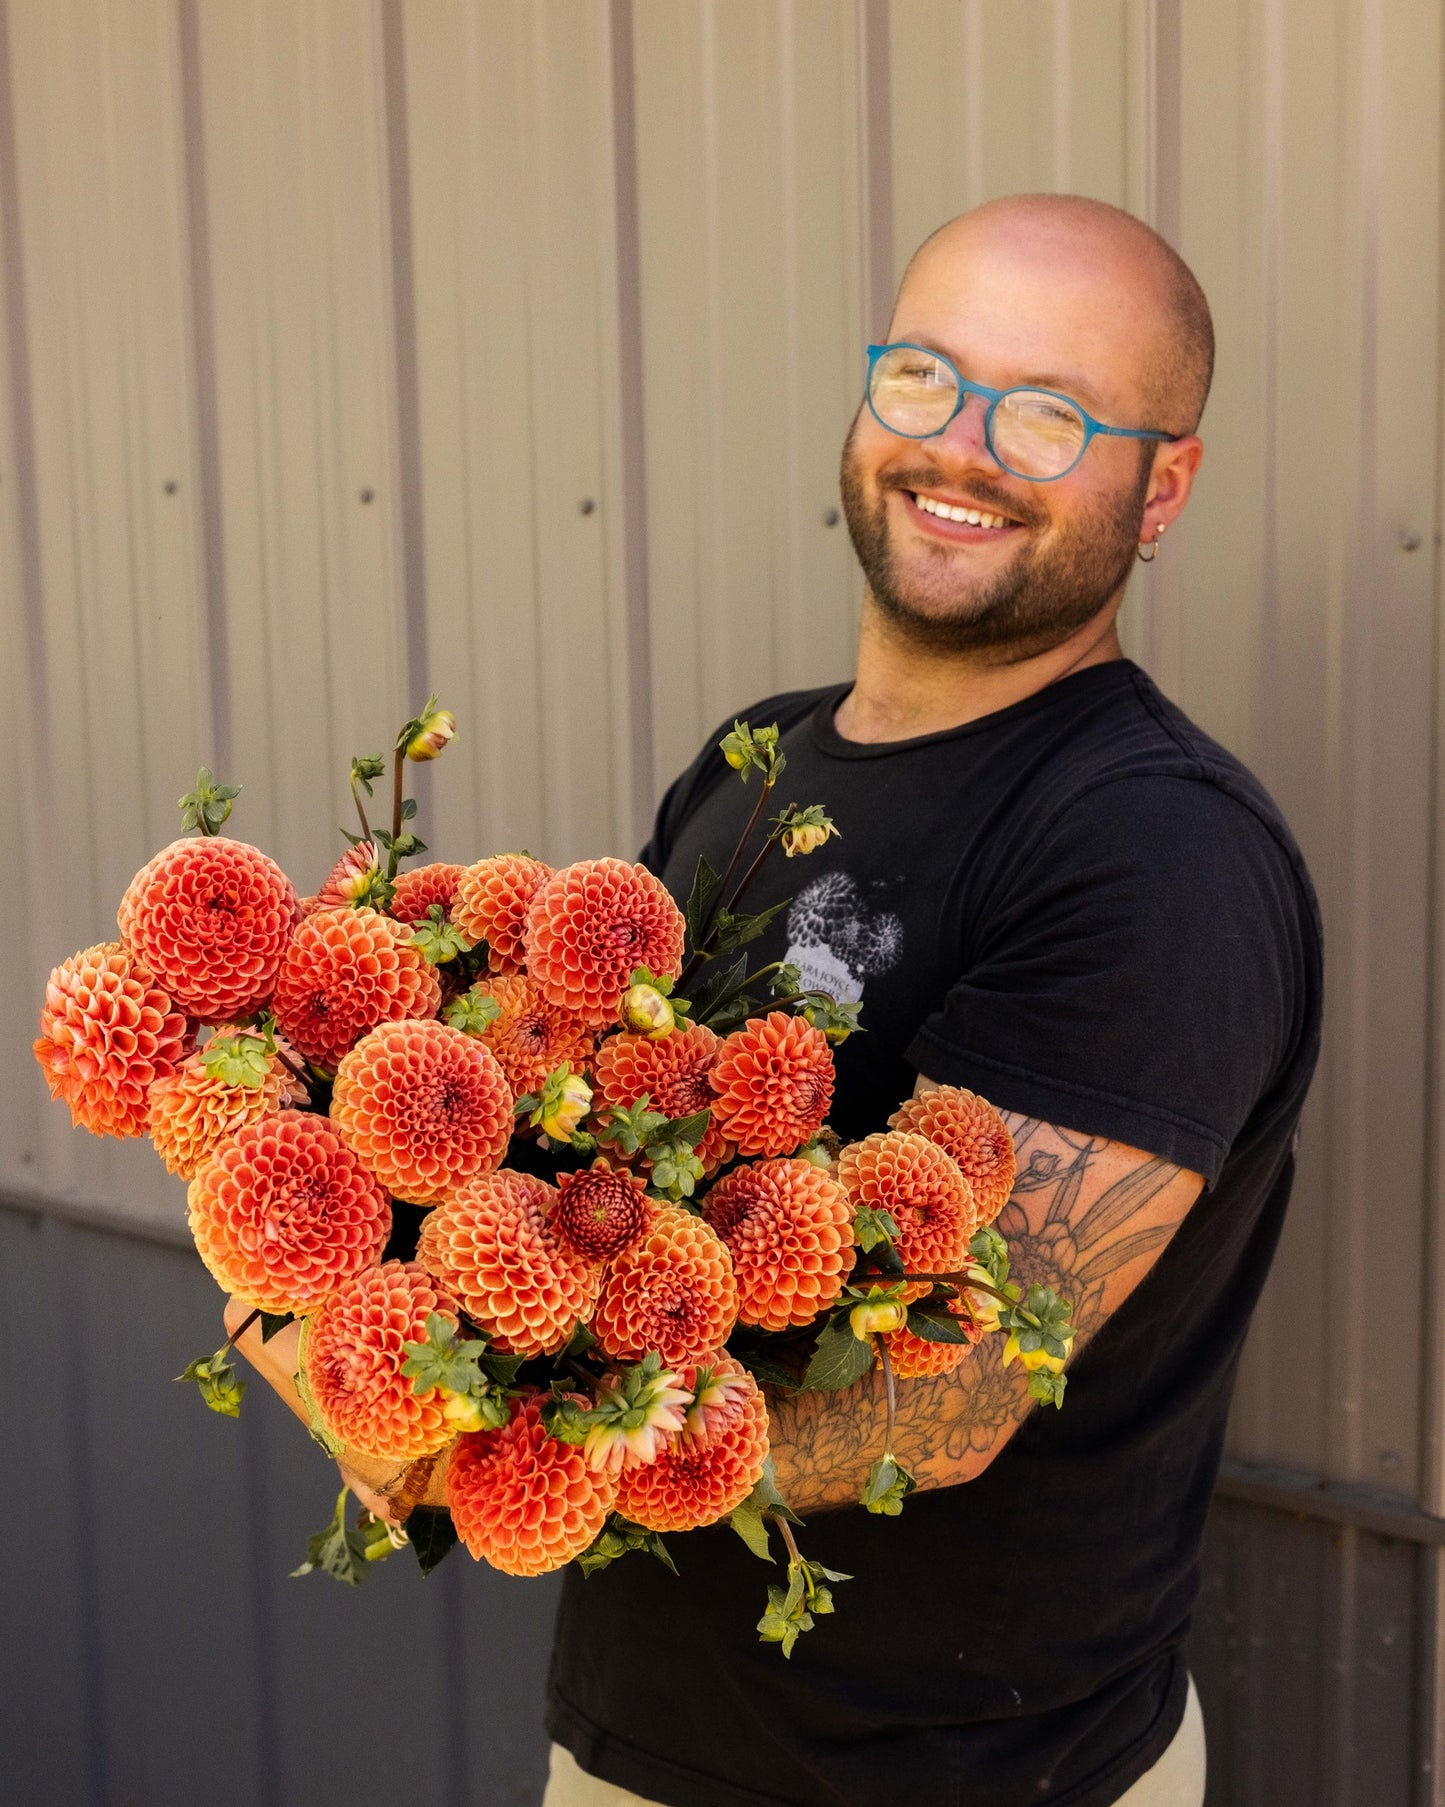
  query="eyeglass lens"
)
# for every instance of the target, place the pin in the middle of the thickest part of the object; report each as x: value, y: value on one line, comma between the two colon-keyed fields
x: 1034, y: 434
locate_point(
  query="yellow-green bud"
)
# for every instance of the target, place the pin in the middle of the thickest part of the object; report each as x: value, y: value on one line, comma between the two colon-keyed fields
x: 1031, y: 1358
x: 806, y: 837
x: 463, y: 1411
x: 566, y: 1110
x: 876, y: 1317
x: 434, y: 733
x: 645, y: 1011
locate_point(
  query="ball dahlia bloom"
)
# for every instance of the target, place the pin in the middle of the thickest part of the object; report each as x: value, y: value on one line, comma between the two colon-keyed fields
x: 601, y: 1210
x: 972, y: 1131
x: 619, y: 1440
x: 352, y: 1352
x: 344, y: 972
x: 773, y: 1081
x: 915, y: 1356
x: 693, y: 1482
x: 672, y: 1291
x: 424, y: 1107
x: 416, y: 891
x: 673, y: 1071
x: 283, y: 1212
x: 925, y: 1190
x: 493, y: 898
x: 210, y: 919
x: 495, y: 1247
x: 193, y: 1111
x: 590, y: 925
x: 531, y: 1037
x: 789, y: 1229
x: 108, y: 1032
x: 523, y: 1501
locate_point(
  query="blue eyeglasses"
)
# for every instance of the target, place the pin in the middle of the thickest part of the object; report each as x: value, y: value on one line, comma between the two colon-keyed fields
x: 1036, y: 434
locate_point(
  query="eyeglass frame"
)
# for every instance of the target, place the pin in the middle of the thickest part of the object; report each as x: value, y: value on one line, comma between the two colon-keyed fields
x: 994, y: 397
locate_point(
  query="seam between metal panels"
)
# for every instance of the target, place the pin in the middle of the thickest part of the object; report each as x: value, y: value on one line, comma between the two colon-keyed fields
x: 876, y: 143
x: 1335, y: 1502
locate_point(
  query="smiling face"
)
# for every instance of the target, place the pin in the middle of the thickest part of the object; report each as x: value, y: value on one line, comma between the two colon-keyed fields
x: 1015, y: 294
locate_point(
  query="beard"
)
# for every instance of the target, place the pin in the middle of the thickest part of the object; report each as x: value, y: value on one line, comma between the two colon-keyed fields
x: 1036, y: 602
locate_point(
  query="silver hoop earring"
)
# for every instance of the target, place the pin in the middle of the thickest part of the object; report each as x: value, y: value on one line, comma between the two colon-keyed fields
x: 1148, y: 552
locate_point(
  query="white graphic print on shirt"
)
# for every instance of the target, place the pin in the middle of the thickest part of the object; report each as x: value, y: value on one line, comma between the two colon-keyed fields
x: 836, y: 941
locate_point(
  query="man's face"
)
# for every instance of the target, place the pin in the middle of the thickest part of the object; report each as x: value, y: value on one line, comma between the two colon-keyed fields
x: 1007, y: 308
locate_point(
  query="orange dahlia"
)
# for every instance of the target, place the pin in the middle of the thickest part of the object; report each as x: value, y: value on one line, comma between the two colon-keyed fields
x: 418, y: 890
x: 532, y: 1037
x: 283, y: 1212
x: 590, y: 925
x: 693, y: 1482
x: 972, y: 1131
x: 672, y: 1071
x: 210, y: 918
x: 351, y: 878
x: 495, y: 1246
x: 424, y: 1107
x: 308, y: 906
x: 672, y: 1291
x: 107, y: 1033
x: 523, y: 1501
x: 351, y: 1358
x: 789, y: 1229
x: 914, y: 1356
x: 493, y: 898
x: 923, y: 1188
x: 601, y: 1211
x: 773, y: 1080
x: 193, y: 1110
x: 344, y: 972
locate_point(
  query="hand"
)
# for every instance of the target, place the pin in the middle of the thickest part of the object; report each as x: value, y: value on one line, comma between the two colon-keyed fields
x: 371, y: 1480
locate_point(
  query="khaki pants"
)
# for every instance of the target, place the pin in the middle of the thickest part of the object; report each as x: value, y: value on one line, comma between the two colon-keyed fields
x: 1176, y: 1780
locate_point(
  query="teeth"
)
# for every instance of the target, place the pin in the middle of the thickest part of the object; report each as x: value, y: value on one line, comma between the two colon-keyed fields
x: 949, y: 512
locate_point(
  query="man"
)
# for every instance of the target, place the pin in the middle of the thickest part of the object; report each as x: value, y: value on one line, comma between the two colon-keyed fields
x: 1053, y: 889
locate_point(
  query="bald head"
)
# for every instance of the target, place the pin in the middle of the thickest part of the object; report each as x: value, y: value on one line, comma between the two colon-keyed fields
x: 1132, y: 283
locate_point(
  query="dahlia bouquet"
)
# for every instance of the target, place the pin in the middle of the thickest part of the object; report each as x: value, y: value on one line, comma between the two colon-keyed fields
x: 553, y: 1231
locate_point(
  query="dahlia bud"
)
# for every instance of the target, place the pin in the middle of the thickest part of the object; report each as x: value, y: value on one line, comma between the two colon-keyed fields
x: 1037, y: 1357
x: 566, y: 1100
x: 805, y: 830
x: 434, y: 730
x: 877, y: 1317
x: 645, y: 1011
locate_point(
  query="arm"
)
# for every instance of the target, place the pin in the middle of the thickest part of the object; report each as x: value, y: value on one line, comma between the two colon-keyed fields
x: 1088, y: 1217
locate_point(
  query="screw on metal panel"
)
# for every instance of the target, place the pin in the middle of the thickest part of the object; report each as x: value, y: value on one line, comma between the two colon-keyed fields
x: 1409, y: 540
x: 170, y: 486
x: 368, y: 495
x: 1391, y: 1458
x: 586, y: 505
x: 831, y: 517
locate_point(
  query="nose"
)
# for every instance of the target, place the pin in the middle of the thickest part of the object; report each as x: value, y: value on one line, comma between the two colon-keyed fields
x: 965, y: 435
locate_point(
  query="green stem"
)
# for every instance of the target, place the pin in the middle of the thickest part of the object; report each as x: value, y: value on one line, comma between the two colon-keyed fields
x: 888, y: 1389
x: 399, y: 758
x: 241, y: 1329
x: 964, y: 1280
x: 794, y: 1554
x: 365, y: 825
x: 699, y: 953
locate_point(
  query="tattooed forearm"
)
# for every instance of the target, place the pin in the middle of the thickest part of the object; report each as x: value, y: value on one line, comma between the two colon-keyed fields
x: 1087, y: 1217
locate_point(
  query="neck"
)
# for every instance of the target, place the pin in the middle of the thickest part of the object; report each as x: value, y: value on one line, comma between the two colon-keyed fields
x: 903, y: 690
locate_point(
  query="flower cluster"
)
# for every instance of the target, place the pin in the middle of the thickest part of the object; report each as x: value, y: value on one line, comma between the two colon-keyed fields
x: 545, y: 1222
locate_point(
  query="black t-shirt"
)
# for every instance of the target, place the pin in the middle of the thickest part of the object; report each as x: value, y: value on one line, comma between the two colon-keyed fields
x: 1086, y: 910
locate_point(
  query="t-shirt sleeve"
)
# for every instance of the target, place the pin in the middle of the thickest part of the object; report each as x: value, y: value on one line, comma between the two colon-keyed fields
x: 1141, y: 976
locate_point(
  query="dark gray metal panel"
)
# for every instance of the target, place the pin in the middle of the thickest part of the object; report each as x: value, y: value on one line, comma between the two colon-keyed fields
x: 156, y: 1653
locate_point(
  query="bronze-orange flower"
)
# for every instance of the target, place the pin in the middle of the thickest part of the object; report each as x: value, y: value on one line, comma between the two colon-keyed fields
x: 493, y: 898
x: 344, y: 972
x: 926, y: 1192
x: 672, y: 1291
x: 694, y: 1482
x: 672, y: 1071
x: 789, y: 1229
x: 590, y: 925
x: 774, y: 1082
x: 531, y: 1037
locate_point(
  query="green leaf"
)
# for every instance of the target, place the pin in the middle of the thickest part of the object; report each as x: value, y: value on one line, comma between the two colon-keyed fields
x: 872, y: 1227
x: 272, y: 1321
x: 617, y: 1538
x: 1048, y: 1387
x: 734, y: 931
x: 217, y: 1381
x: 432, y: 1535
x: 936, y: 1326
x: 335, y: 1551
x: 717, y: 989
x: 688, y: 1130
x: 705, y: 884
x: 990, y: 1251
x: 889, y: 1483
x: 366, y: 767
x: 747, y: 1521
x: 840, y: 1360
x: 766, y: 1371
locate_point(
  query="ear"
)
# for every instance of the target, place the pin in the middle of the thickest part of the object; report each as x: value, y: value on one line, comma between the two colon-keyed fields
x: 1170, y: 481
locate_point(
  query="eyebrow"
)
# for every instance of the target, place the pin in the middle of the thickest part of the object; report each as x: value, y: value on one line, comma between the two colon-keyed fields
x: 1073, y: 386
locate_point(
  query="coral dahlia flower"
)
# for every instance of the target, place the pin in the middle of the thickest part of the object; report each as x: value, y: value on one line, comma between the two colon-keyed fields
x: 972, y: 1131
x: 352, y: 1352
x: 424, y: 1107
x: 672, y: 1291
x: 523, y: 1501
x: 344, y: 972
x: 914, y: 1356
x: 283, y: 1212
x: 696, y: 1483
x: 351, y: 878
x: 590, y: 925
x: 493, y: 898
x: 210, y: 919
x: 417, y: 890
x: 531, y: 1037
x: 193, y: 1110
x: 774, y: 1082
x: 925, y: 1190
x: 672, y: 1071
x: 601, y: 1210
x: 108, y: 1032
x: 789, y: 1229
x: 495, y: 1246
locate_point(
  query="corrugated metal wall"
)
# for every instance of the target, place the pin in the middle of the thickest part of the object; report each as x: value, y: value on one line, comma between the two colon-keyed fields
x: 352, y: 347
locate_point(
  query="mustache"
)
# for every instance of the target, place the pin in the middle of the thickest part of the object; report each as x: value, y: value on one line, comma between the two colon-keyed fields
x: 985, y: 496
